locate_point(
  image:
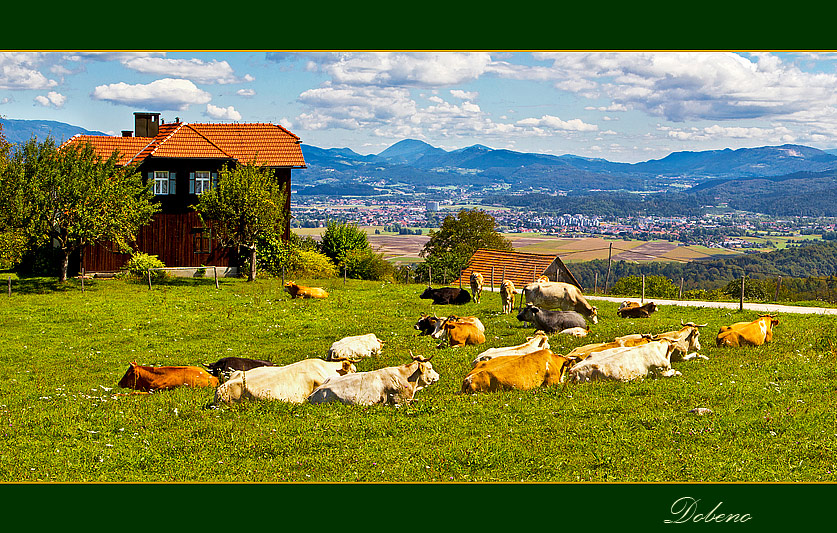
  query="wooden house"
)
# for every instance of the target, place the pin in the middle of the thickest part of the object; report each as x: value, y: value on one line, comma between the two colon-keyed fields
x: 179, y: 161
x: 521, y: 268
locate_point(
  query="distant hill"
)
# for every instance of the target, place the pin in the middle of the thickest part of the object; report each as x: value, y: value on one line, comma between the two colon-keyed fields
x: 786, y: 178
x: 20, y: 131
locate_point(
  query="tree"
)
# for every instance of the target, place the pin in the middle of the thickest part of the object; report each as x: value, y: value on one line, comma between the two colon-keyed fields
x: 459, y: 237
x: 341, y: 237
x: 246, y: 203
x: 71, y: 197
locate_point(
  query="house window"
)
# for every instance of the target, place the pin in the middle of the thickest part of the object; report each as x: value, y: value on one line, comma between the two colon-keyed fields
x: 201, y: 240
x: 161, y: 182
x: 201, y: 181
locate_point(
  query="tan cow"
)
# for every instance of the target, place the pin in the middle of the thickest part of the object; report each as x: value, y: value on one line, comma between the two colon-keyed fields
x: 477, y: 281
x: 522, y: 372
x: 537, y: 342
x: 560, y: 295
x: 394, y: 385
x: 290, y: 383
x: 461, y: 334
x: 753, y: 333
x: 507, y: 292
x: 686, y: 339
x: 150, y: 378
x: 301, y: 291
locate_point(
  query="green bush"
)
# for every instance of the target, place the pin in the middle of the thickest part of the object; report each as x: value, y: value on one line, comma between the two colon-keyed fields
x: 137, y: 267
x: 341, y: 237
x: 366, y: 264
x: 311, y: 264
x: 655, y: 287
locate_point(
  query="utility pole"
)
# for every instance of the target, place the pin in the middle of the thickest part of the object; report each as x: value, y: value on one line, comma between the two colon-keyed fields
x: 607, y: 278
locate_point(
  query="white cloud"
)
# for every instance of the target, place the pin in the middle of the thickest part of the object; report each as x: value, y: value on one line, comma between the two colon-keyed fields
x: 52, y: 99
x: 549, y: 122
x: 222, y: 113
x: 166, y: 93
x: 18, y: 71
x: 192, y: 69
x: 464, y: 95
x: 247, y: 93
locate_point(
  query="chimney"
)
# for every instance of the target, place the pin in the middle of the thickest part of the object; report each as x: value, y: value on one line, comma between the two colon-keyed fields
x: 127, y: 133
x: 146, y: 124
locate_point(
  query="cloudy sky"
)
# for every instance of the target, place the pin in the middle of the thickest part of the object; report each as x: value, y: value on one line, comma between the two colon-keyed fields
x: 621, y: 106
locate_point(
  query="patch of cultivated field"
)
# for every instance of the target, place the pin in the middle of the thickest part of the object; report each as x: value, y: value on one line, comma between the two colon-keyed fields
x: 63, y: 351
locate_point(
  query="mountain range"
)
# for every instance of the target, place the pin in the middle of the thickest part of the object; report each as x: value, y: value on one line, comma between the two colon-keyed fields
x: 768, y: 174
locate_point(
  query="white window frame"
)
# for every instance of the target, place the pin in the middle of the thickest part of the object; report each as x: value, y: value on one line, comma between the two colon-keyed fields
x: 161, y: 182
x: 203, y: 181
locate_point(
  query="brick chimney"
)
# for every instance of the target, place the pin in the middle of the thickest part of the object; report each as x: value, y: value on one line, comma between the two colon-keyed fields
x: 146, y: 124
x: 127, y: 133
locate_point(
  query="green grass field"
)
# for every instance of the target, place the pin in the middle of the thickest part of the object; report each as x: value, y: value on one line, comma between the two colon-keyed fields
x: 63, y: 351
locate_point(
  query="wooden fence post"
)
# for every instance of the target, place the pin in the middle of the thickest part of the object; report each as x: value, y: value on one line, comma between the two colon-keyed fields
x: 741, y: 300
x: 149, y: 279
x: 344, y: 274
x: 778, y: 284
x: 607, y: 278
x: 10, y: 286
x: 642, y: 300
x: 596, y: 283
x: 429, y: 276
x: 680, y: 297
x: 492, y: 278
x: 460, y: 278
x: 283, y: 278
x: 82, y: 281
x: 215, y: 270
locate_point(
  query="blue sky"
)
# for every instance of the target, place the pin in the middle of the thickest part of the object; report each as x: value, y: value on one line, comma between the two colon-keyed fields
x: 621, y: 106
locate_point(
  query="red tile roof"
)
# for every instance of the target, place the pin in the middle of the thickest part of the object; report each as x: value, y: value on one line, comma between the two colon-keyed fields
x: 521, y: 268
x: 264, y: 144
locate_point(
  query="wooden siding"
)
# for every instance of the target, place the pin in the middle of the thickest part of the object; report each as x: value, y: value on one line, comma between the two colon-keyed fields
x: 520, y: 268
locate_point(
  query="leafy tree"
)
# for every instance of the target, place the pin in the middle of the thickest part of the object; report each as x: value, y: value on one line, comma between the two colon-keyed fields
x: 341, y: 237
x: 246, y: 203
x: 459, y: 237
x: 71, y: 197
x: 655, y: 287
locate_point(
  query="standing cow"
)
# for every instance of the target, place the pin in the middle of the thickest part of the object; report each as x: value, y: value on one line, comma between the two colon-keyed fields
x: 507, y: 292
x: 476, y: 285
x: 559, y: 295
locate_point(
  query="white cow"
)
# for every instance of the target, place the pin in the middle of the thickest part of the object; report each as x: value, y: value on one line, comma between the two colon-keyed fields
x: 290, y: 383
x: 626, y: 363
x: 391, y: 385
x: 533, y: 344
x: 355, y: 347
x: 559, y: 295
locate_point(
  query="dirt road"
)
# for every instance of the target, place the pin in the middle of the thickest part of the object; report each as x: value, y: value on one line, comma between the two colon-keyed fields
x: 749, y: 306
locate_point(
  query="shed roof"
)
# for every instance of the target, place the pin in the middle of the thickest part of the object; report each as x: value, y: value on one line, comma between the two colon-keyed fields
x: 519, y: 267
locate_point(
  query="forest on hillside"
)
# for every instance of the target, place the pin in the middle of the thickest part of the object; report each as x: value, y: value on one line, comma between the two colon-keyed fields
x: 799, y: 266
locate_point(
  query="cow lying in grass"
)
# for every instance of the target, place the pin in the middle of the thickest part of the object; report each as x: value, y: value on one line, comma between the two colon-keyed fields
x: 626, y: 363
x: 551, y: 321
x: 151, y: 378
x: 290, y: 383
x: 446, y: 296
x: 301, y: 291
x: 435, y: 326
x: 753, y: 333
x: 393, y: 385
x: 522, y: 372
x: 355, y: 347
x: 537, y: 342
x: 228, y: 365
x: 634, y: 310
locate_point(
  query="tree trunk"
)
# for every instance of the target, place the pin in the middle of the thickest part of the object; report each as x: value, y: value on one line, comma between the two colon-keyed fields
x: 252, y: 275
x: 65, y: 261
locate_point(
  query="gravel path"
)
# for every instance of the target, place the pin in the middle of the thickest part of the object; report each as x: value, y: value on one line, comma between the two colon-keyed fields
x: 762, y: 308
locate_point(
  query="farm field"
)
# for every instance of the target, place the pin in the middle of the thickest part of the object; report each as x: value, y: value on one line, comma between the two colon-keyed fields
x: 406, y: 248
x: 63, y: 351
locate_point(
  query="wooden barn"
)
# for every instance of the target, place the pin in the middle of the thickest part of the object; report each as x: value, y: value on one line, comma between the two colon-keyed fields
x: 179, y: 161
x: 521, y: 268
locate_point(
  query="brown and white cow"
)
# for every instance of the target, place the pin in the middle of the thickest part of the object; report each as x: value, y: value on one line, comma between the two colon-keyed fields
x: 290, y: 383
x: 507, y: 292
x: 753, y: 333
x: 626, y: 363
x: 301, y: 291
x: 461, y: 334
x: 355, y: 347
x: 394, y: 385
x: 634, y: 310
x: 522, y: 372
x: 435, y: 326
x: 477, y: 281
x: 151, y: 378
x: 537, y: 342
x: 559, y: 295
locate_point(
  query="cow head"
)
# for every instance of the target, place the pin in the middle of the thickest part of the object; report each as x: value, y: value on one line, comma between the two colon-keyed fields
x: 594, y: 314
x: 291, y: 287
x: 427, y: 294
x: 347, y: 368
x: 424, y: 374
x: 527, y: 314
x: 129, y: 380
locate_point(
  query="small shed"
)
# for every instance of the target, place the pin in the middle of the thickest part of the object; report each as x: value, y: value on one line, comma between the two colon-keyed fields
x: 521, y: 268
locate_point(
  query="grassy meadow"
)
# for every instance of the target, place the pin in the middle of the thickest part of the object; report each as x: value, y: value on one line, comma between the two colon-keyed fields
x: 62, y: 352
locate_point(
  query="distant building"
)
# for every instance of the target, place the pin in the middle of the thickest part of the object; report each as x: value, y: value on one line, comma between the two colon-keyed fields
x: 432, y: 206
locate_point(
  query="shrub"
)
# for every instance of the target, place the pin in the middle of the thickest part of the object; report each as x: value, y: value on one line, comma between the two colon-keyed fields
x: 366, y: 264
x: 340, y: 237
x: 655, y: 287
x: 311, y: 264
x: 137, y: 267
